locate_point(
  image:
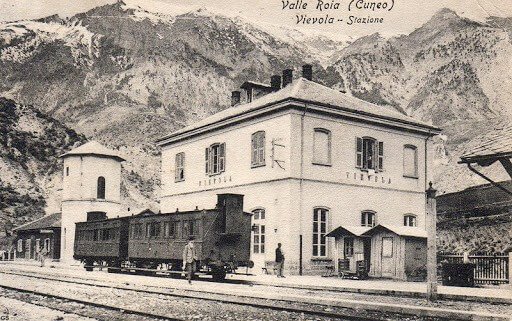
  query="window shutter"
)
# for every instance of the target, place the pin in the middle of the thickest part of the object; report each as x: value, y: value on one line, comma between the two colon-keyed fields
x: 182, y: 166
x: 380, y: 153
x: 176, y: 167
x: 359, y: 152
x: 222, y: 157
x: 262, y: 148
x: 253, y: 149
x: 207, y: 160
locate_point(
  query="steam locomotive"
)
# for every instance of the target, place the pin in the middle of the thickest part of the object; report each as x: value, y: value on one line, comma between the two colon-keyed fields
x: 149, y: 242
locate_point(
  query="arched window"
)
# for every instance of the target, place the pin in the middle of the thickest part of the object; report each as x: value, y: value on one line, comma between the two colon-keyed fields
x: 258, y: 149
x: 410, y: 220
x: 258, y: 231
x: 410, y: 161
x: 101, y: 188
x: 368, y: 218
x: 320, y: 217
x: 322, y: 147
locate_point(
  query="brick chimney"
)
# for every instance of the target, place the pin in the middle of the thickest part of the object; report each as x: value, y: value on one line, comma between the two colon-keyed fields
x: 287, y: 77
x: 307, y: 72
x: 275, y: 82
x: 235, y: 98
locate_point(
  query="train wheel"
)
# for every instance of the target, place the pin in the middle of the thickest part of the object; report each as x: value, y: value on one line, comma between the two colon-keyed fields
x: 89, y: 265
x: 219, y: 275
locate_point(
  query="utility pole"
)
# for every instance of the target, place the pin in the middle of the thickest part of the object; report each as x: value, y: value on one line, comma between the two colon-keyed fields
x: 431, y: 221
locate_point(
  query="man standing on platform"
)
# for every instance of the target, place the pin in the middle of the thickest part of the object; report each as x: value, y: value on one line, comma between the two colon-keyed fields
x: 279, y: 261
x: 189, y: 258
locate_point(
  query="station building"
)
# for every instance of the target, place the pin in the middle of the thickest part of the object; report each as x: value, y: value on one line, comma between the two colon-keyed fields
x: 311, y: 161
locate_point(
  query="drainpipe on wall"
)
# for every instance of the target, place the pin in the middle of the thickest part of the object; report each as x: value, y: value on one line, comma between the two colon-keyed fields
x: 301, y: 185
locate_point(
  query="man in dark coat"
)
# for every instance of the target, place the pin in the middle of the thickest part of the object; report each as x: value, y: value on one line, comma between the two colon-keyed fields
x: 279, y: 261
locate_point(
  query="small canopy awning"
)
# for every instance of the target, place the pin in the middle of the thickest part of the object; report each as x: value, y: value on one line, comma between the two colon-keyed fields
x: 341, y: 231
x: 406, y: 231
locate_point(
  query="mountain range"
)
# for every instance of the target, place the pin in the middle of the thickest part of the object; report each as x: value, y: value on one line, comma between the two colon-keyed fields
x: 123, y: 75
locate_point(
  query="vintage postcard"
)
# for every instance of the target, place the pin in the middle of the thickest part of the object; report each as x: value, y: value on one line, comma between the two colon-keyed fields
x: 255, y: 160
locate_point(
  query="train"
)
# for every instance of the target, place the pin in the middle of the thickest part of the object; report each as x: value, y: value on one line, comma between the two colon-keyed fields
x: 153, y: 242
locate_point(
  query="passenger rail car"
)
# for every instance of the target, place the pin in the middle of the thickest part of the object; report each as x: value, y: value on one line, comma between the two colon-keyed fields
x: 222, y: 238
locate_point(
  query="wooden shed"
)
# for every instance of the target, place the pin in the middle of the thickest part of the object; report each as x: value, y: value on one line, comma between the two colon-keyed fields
x: 398, y: 252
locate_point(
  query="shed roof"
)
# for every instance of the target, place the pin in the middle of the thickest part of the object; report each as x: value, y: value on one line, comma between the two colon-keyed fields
x: 47, y: 221
x: 491, y: 146
x: 348, y: 230
x: 93, y: 148
x: 306, y: 91
x: 407, y: 231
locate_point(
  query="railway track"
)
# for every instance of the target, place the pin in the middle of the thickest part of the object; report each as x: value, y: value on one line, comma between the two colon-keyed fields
x: 282, y: 310
x: 84, y: 308
x: 313, y: 304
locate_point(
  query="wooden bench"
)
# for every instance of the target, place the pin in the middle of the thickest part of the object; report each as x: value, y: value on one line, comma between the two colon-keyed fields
x: 269, y: 266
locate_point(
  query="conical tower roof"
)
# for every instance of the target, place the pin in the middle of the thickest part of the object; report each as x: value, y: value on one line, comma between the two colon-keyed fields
x: 93, y: 148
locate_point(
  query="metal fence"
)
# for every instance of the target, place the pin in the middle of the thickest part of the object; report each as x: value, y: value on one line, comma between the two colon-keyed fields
x: 489, y: 268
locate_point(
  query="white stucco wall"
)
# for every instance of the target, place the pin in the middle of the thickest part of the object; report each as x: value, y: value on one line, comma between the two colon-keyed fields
x: 290, y: 195
x: 79, y: 191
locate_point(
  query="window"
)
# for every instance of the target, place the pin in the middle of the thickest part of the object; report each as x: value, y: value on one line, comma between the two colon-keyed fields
x: 410, y: 161
x: 258, y: 149
x: 348, y: 246
x: 189, y: 228
x: 409, y: 220
x: 259, y: 231
x: 67, y: 170
x: 215, y: 159
x: 322, y: 147
x: 319, y: 231
x: 179, y: 167
x: 47, y: 245
x: 368, y: 218
x: 369, y: 154
x: 20, y: 245
x: 137, y: 231
x: 167, y: 229
x: 106, y: 234
x: 153, y: 229
x: 101, y: 188
x: 38, y: 245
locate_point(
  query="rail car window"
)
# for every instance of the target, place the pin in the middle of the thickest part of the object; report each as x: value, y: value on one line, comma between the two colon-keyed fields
x: 190, y: 228
x: 95, y: 235
x: 105, y: 234
x: 136, y: 232
x: 153, y: 229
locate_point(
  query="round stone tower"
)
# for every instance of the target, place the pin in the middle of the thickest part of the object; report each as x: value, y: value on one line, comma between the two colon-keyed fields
x: 91, y: 184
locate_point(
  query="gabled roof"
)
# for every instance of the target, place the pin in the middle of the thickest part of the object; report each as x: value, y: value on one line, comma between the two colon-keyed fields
x: 495, y: 144
x: 303, y: 91
x: 348, y: 230
x: 399, y: 230
x: 47, y: 221
x: 93, y: 148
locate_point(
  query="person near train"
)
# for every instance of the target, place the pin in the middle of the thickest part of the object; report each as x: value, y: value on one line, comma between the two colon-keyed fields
x: 279, y: 261
x: 42, y: 255
x: 189, y: 258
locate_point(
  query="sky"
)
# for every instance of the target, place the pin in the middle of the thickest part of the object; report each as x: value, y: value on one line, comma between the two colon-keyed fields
x: 404, y: 17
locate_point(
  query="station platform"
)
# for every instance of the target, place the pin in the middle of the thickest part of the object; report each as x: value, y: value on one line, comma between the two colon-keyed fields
x: 486, y: 294
x: 491, y: 294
